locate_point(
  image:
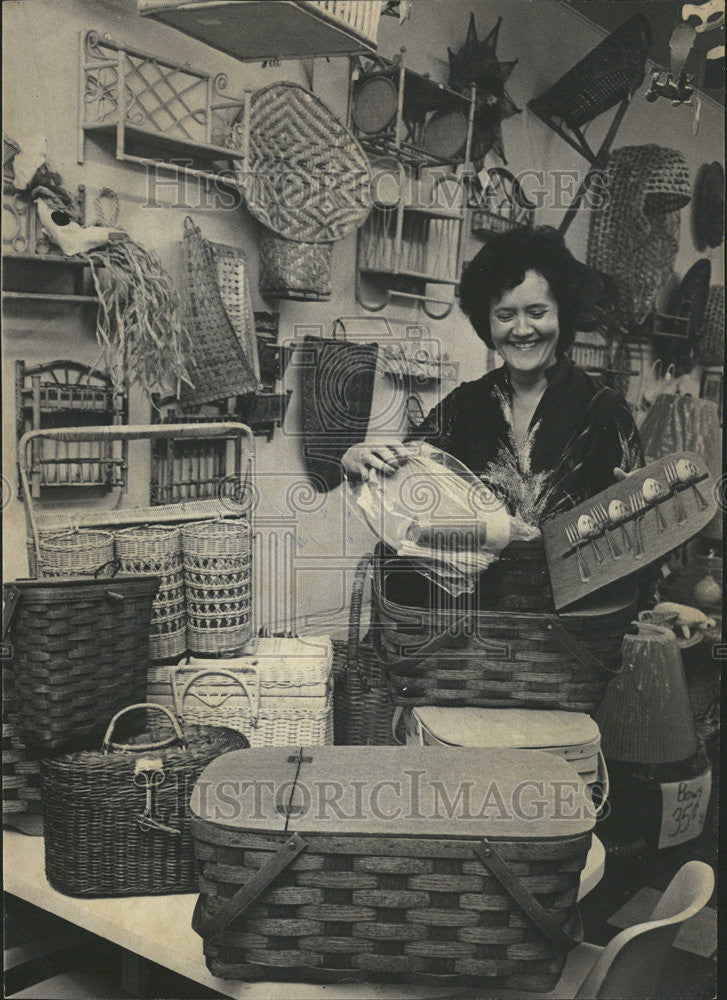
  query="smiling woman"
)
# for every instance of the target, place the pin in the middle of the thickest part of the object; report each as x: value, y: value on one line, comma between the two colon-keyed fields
x: 537, y: 430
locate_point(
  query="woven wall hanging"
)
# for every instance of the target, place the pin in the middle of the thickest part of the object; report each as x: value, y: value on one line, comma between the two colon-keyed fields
x: 219, y: 318
x: 634, y: 237
x: 307, y: 177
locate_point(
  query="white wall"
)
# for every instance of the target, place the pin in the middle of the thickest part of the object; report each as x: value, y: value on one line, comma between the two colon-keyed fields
x: 40, y: 95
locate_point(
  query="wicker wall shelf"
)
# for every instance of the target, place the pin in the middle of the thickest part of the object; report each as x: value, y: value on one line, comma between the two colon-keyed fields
x: 68, y: 393
x: 250, y: 29
x: 157, y: 112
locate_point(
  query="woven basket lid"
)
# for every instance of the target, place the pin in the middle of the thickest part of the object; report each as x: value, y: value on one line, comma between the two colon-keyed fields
x: 708, y: 207
x: 308, y: 179
x: 710, y: 345
x: 519, y: 728
x: 634, y: 230
x: 396, y: 791
x: 645, y: 716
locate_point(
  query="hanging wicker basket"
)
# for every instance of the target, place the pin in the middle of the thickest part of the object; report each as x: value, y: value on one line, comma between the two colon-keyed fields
x: 292, y: 270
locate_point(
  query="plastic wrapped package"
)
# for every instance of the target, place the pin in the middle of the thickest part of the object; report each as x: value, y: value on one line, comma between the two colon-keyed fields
x: 437, y: 511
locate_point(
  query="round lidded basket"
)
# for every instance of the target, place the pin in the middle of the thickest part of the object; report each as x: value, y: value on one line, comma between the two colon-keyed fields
x: 77, y: 552
x: 217, y: 560
x: 158, y: 550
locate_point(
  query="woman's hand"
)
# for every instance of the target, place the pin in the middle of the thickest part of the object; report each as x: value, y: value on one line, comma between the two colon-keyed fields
x: 620, y: 474
x: 384, y: 456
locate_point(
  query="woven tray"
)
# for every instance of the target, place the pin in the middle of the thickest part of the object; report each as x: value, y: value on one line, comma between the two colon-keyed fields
x: 307, y: 178
x: 116, y: 820
x: 220, y: 320
x: 80, y: 649
x: 304, y: 889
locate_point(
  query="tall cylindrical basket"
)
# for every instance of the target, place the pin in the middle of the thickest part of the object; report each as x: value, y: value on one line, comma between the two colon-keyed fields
x: 217, y: 560
x: 158, y: 550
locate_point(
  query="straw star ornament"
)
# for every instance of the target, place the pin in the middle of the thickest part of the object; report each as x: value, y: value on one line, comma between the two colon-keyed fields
x: 477, y: 63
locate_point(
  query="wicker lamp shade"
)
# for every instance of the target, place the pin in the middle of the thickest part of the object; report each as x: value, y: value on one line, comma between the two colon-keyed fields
x: 634, y: 231
x: 645, y: 716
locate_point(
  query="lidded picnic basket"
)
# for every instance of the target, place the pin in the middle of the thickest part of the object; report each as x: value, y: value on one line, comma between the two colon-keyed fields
x: 278, y: 694
x: 116, y: 820
x: 455, y: 655
x: 386, y: 882
x: 80, y: 651
x: 573, y: 736
x: 217, y: 560
x: 157, y: 549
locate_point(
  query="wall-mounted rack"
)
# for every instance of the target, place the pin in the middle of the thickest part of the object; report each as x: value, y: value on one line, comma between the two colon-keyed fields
x: 250, y: 30
x: 69, y: 394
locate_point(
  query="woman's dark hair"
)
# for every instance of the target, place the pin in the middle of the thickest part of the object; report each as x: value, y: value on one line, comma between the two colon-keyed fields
x: 501, y: 264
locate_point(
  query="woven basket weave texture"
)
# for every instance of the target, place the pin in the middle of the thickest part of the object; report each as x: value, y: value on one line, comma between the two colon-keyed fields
x: 158, y: 551
x: 95, y: 844
x: 217, y: 560
x: 307, y: 177
x: 495, y: 659
x: 293, y: 270
x: 80, y: 653
x: 20, y: 771
x: 374, y: 907
x: 711, y: 343
x: 75, y: 552
x: 634, y: 232
x: 219, y: 318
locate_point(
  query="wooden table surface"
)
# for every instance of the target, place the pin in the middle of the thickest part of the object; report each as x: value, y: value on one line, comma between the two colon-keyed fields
x: 158, y: 928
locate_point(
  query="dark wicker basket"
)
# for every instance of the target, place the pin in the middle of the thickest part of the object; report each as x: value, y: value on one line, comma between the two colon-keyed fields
x: 497, y: 658
x: 20, y: 773
x: 79, y: 654
x: 116, y: 820
x: 363, y: 711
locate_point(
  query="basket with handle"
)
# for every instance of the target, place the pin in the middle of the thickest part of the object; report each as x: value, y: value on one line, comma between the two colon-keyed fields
x: 80, y: 648
x: 234, y: 505
x: 158, y: 550
x: 217, y: 560
x: 232, y: 695
x: 363, y: 709
x: 116, y: 820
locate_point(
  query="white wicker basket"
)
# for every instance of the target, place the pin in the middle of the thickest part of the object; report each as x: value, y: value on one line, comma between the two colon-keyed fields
x: 278, y: 694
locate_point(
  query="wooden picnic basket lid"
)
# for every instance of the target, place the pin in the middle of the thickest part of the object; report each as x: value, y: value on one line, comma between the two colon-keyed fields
x: 434, y: 792
x: 521, y: 728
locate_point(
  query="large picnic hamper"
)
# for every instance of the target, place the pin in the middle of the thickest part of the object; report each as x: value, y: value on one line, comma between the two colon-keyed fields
x: 80, y: 653
x: 401, y: 862
x: 277, y: 694
x: 116, y: 820
x: 457, y: 655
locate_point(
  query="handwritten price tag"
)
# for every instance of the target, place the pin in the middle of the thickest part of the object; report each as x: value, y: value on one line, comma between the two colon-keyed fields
x: 684, y: 807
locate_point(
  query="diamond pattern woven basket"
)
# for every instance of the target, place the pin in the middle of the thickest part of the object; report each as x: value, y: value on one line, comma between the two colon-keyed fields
x: 307, y: 178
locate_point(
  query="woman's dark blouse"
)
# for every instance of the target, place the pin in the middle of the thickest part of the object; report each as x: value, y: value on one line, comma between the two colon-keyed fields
x: 575, y: 439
